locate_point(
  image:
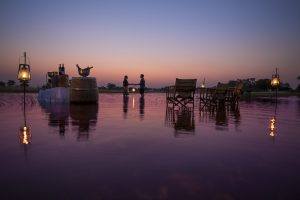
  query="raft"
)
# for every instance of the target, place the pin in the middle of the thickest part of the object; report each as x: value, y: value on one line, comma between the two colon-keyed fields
x: 84, y: 90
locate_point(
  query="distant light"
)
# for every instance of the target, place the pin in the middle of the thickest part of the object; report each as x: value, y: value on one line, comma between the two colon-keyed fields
x: 202, y: 85
x: 133, y: 90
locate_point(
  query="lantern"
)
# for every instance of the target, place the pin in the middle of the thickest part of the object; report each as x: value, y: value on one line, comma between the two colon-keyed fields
x: 24, y: 71
x: 275, y: 82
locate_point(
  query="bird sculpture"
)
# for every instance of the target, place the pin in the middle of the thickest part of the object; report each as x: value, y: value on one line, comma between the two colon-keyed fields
x: 83, y: 72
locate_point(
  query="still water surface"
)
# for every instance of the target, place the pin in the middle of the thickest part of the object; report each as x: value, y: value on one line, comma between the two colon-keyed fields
x: 139, y: 149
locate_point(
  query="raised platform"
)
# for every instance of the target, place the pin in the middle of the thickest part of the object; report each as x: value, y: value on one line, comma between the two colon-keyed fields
x: 54, y: 95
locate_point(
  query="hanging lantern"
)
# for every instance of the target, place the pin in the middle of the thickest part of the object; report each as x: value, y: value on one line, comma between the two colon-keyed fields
x: 275, y: 82
x: 24, y: 71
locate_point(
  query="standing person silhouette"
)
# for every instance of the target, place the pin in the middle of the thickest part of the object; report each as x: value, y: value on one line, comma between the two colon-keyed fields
x: 125, y: 86
x: 142, y: 85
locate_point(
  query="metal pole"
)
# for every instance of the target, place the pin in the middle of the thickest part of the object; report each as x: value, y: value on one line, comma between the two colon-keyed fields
x: 24, y: 103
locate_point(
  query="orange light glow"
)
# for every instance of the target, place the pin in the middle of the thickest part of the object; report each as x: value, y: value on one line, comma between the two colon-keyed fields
x: 272, y: 127
x: 275, y: 82
x: 25, y: 136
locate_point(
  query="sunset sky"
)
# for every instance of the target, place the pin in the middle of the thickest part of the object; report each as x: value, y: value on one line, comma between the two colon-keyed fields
x: 218, y: 40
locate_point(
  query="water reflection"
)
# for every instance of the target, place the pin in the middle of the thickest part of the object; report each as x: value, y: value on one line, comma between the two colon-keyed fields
x: 58, y: 115
x: 125, y: 105
x: 182, y: 120
x: 84, y: 117
x: 193, y: 167
x: 221, y: 117
x: 142, y: 108
x: 272, y: 126
x: 133, y: 102
x: 25, y: 135
x: 141, y: 105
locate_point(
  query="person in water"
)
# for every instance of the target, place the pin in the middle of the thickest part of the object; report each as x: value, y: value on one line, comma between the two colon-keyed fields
x: 125, y: 86
x: 142, y: 85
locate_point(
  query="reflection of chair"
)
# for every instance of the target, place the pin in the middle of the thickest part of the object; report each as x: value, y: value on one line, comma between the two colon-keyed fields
x: 181, y: 120
x: 221, y: 117
x: 182, y: 94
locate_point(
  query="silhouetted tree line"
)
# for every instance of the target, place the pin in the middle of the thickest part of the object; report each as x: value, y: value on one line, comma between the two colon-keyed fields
x: 9, y: 83
x: 252, y: 85
x: 298, y: 88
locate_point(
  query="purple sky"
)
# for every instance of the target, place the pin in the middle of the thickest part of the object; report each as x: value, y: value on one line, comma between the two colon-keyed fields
x: 162, y: 39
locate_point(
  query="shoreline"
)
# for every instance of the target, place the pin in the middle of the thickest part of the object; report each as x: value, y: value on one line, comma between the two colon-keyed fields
x: 105, y: 91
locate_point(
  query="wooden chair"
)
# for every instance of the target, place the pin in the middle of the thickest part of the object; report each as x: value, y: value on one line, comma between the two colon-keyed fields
x: 182, y: 94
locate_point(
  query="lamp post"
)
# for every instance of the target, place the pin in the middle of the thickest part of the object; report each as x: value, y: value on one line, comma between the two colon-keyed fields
x: 24, y: 77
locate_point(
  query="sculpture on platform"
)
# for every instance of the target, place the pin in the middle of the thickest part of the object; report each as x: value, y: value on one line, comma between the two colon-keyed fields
x: 84, y: 72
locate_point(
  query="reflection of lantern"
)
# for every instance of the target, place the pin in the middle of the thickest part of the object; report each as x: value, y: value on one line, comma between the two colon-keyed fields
x: 25, y: 136
x: 272, y: 126
x: 275, y: 82
x: 24, y: 71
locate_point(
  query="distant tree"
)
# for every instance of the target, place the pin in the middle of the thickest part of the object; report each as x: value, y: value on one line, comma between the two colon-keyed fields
x: 262, y: 84
x: 111, y: 86
x: 2, y: 84
x: 298, y: 88
x: 232, y: 83
x: 11, y: 83
x: 285, y: 87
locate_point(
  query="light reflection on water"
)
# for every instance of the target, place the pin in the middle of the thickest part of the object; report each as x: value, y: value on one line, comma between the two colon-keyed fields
x: 134, y: 148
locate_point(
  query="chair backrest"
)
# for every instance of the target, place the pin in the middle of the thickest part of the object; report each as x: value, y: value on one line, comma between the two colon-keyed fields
x: 185, y: 87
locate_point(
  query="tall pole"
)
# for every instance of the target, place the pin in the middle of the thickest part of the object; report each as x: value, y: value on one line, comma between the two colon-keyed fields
x: 24, y: 103
x: 25, y: 57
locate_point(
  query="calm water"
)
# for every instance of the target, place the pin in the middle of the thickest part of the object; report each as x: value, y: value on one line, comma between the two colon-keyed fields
x: 137, y: 149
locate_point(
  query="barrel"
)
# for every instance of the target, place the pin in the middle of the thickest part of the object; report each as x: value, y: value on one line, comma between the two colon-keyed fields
x: 84, y: 90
